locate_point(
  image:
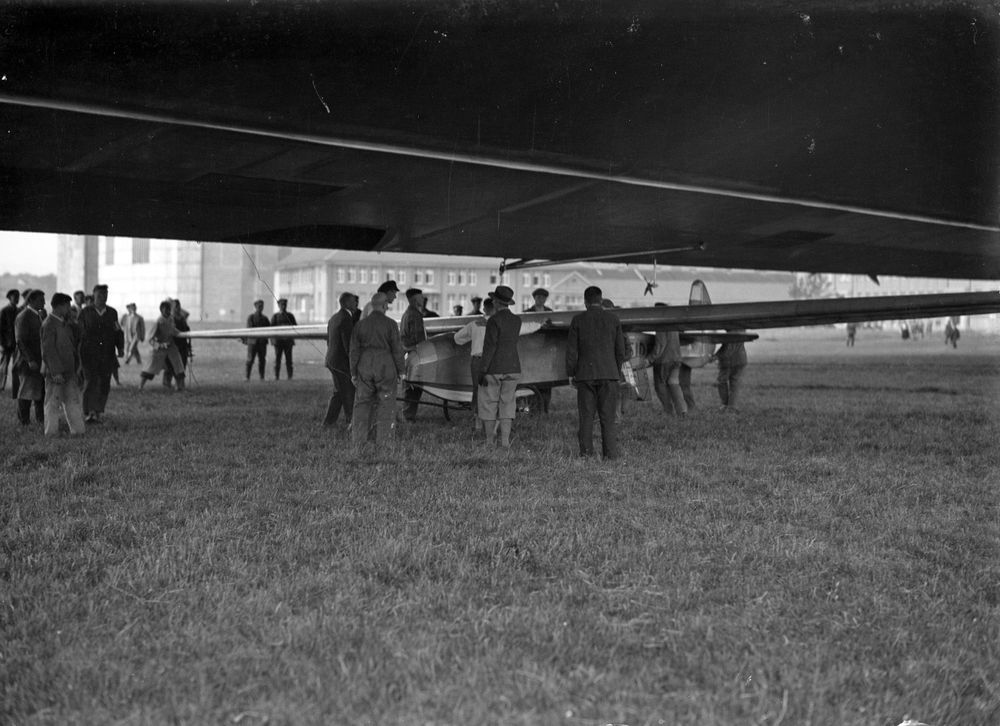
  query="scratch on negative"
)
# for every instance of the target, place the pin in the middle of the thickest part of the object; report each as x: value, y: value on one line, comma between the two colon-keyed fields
x: 311, y: 78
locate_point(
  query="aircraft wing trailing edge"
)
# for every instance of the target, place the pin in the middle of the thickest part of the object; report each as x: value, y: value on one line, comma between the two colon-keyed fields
x: 855, y: 137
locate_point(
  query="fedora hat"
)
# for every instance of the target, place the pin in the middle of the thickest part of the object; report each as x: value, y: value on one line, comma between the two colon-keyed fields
x: 503, y: 294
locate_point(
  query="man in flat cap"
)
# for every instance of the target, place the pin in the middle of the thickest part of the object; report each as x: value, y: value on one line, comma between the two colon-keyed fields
x: 411, y: 333
x: 339, y: 330
x: 283, y: 346
x: 59, y: 360
x: 477, y: 306
x: 30, y: 384
x: 595, y: 352
x: 376, y: 364
x: 101, y: 342
x: 390, y: 289
x: 500, y: 369
x: 257, y: 347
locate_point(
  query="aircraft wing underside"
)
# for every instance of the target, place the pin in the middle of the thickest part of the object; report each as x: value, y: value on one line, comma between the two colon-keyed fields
x: 694, y: 319
x: 842, y: 138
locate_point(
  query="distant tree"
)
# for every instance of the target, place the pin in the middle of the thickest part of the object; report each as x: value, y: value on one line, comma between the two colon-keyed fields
x: 811, y: 285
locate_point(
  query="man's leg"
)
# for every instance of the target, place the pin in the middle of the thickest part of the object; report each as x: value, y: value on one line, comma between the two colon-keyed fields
x: 586, y: 405
x: 385, y: 431
x: 364, y: 402
x: 336, y: 402
x: 607, y: 393
x: 53, y: 407
x: 735, y: 376
x: 722, y: 383
x: 411, y: 394
x: 677, y: 401
x: 685, y: 384
x: 261, y: 361
x: 73, y: 406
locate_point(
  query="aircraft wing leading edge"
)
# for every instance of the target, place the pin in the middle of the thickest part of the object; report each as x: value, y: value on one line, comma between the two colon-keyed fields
x: 697, y: 318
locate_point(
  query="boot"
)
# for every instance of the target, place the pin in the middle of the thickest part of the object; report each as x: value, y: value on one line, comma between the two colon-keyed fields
x: 180, y: 381
x: 249, y: 368
x: 491, y: 433
x: 23, y: 412
x: 505, y: 426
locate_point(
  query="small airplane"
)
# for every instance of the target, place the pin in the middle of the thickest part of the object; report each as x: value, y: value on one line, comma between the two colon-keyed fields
x: 440, y: 366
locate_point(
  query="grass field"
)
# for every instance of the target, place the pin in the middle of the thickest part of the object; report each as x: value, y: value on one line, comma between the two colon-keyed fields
x: 831, y: 555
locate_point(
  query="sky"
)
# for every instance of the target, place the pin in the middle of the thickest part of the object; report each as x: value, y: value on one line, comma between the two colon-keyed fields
x: 34, y: 254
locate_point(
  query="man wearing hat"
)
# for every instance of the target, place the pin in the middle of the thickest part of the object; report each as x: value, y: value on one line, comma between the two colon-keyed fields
x: 477, y: 306
x: 30, y: 385
x: 376, y: 364
x: 595, y: 352
x: 500, y: 368
x: 283, y: 346
x: 390, y: 289
x: 544, y: 398
x: 101, y: 342
x: 134, y: 327
x: 411, y: 333
x: 339, y: 330
x: 59, y: 359
x: 257, y: 347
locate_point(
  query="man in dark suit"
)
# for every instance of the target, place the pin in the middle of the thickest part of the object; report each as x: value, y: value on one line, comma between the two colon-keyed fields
x: 500, y: 369
x: 283, y: 346
x: 595, y: 352
x: 338, y: 360
x: 257, y: 347
x: 101, y: 342
x: 8, y: 343
x: 28, y: 358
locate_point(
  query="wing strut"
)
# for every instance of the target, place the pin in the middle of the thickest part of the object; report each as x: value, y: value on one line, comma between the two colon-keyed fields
x: 525, y: 264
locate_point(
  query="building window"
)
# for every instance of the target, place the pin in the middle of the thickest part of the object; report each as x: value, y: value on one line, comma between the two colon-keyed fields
x: 341, y: 275
x: 429, y: 277
x: 452, y: 278
x: 526, y: 279
x: 417, y: 277
x: 364, y: 276
x: 548, y: 280
x: 473, y: 279
x: 140, y: 251
x: 374, y: 275
x: 402, y: 277
x: 109, y: 251
x: 352, y: 275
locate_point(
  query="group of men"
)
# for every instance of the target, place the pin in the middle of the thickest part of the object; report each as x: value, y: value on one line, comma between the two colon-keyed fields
x: 257, y: 347
x: 61, y: 362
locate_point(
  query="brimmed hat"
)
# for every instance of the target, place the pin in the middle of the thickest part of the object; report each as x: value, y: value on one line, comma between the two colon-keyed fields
x: 476, y: 298
x: 503, y: 294
x: 388, y: 286
x: 282, y: 300
x: 540, y: 291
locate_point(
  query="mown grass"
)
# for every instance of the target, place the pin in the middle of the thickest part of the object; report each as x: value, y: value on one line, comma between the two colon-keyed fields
x: 829, y: 556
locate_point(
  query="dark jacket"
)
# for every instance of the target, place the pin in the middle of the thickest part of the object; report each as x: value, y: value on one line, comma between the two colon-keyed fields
x: 28, y: 330
x: 338, y: 342
x: 376, y: 351
x: 500, y: 344
x: 7, y: 317
x: 411, y: 328
x: 100, y: 338
x: 595, y: 348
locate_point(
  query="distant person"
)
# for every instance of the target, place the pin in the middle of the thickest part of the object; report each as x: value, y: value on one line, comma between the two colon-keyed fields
x: 474, y: 334
x: 667, y: 363
x: 852, y: 331
x: 477, y: 305
x: 163, y: 340
x: 456, y: 311
x: 390, y: 289
x: 540, y: 296
x: 101, y: 341
x: 79, y: 301
x: 951, y: 334
x: 30, y: 388
x: 595, y: 352
x: 376, y: 364
x: 543, y: 398
x: 500, y: 369
x: 133, y: 326
x: 283, y: 346
x: 8, y: 341
x: 60, y: 361
x: 411, y: 332
x: 904, y: 330
x: 732, y: 359
x: 257, y: 347
x: 180, y: 317
x: 339, y: 330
